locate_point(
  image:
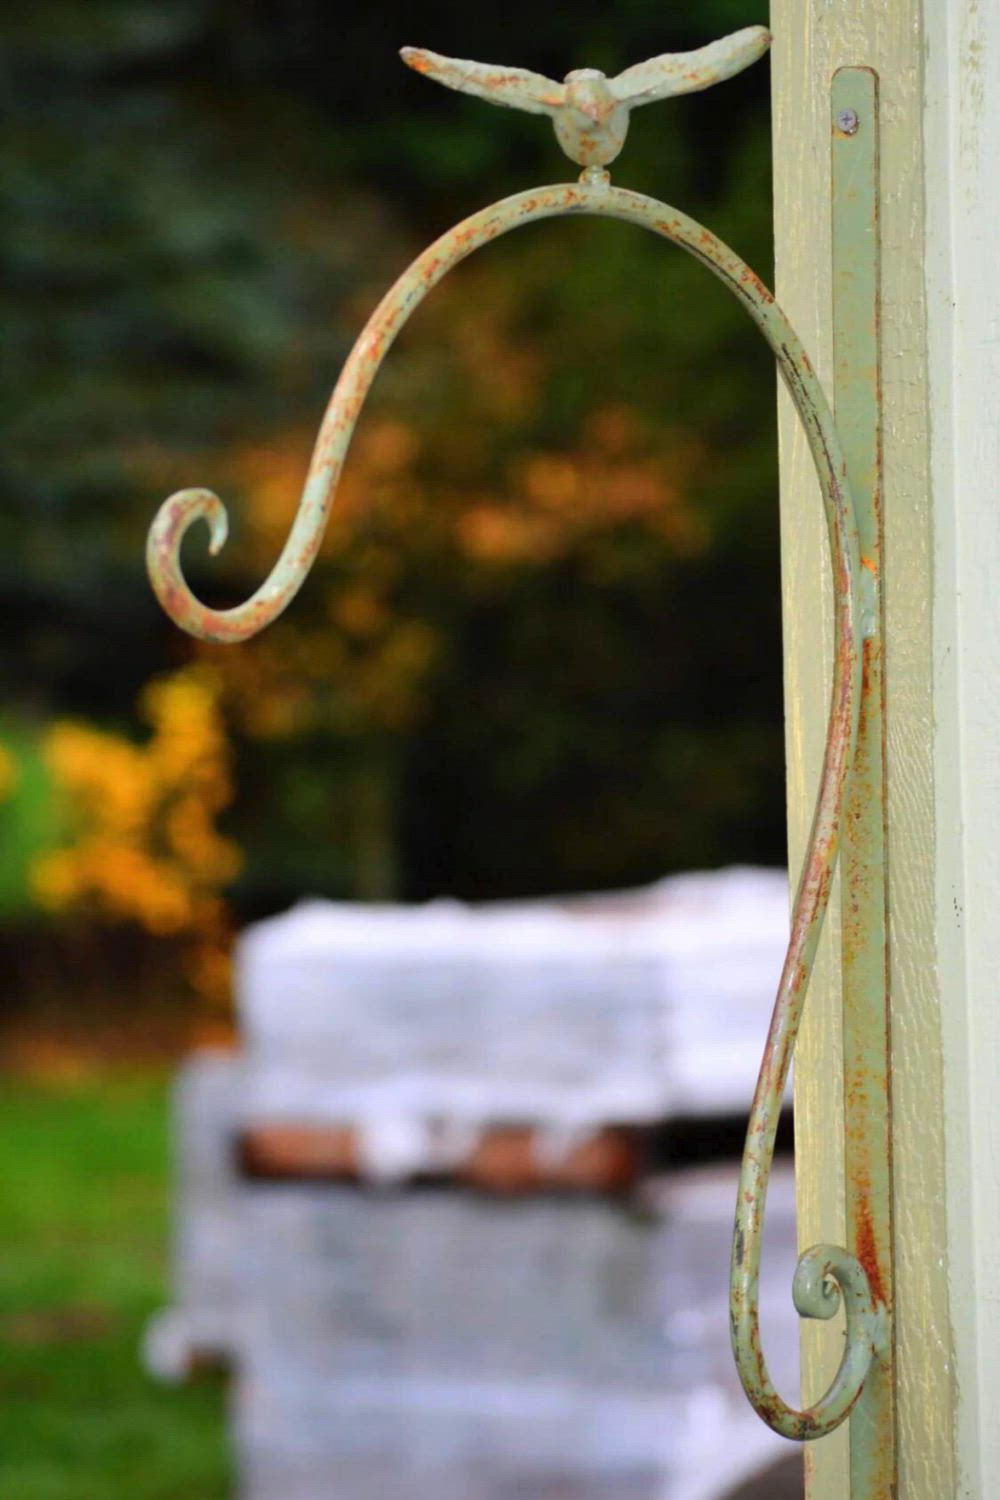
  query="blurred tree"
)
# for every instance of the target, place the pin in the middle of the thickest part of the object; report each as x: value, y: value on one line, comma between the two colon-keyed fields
x: 542, y: 646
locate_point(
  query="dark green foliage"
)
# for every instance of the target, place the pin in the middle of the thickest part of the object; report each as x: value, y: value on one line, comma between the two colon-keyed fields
x: 201, y: 202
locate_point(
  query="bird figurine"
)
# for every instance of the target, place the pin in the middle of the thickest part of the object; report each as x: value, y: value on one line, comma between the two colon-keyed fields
x: 590, y: 112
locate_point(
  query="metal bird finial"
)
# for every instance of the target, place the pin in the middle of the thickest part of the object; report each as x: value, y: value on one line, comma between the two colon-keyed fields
x: 589, y: 111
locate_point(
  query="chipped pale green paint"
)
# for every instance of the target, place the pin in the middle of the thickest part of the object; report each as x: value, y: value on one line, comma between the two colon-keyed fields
x: 590, y: 112
x: 592, y: 140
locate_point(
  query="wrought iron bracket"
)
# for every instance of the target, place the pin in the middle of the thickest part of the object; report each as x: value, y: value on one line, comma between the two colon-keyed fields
x: 862, y: 1275
x: 590, y: 115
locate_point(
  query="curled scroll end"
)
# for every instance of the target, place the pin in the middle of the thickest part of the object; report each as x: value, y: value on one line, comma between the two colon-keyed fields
x: 819, y: 1277
x: 218, y: 527
x: 173, y: 520
x: 824, y: 1276
x: 827, y: 1273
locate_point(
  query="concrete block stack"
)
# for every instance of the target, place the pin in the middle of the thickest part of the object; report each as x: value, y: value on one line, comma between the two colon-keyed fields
x: 418, y: 1208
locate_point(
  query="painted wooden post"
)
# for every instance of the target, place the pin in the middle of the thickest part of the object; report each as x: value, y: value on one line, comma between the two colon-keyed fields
x: 939, y: 70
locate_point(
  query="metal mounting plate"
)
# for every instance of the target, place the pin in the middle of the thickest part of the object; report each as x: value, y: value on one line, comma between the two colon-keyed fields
x: 867, y: 1070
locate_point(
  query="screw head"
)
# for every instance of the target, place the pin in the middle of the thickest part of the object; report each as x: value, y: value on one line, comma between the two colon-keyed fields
x: 847, y: 121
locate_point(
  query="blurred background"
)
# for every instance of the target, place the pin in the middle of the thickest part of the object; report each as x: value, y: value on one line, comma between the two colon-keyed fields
x: 540, y: 651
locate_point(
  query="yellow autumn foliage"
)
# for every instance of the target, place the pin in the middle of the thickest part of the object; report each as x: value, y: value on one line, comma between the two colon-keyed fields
x: 142, y: 845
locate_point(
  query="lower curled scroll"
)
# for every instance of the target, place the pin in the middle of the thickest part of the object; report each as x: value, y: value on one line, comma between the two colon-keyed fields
x: 825, y: 1275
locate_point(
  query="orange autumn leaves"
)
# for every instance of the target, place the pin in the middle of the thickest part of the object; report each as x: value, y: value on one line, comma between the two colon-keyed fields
x: 559, y: 501
x: 363, y: 652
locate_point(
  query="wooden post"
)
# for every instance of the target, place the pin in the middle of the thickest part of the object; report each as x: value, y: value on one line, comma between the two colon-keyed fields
x: 812, y: 39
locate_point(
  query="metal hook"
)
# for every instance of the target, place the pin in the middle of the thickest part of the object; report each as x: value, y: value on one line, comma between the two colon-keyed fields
x: 822, y: 1270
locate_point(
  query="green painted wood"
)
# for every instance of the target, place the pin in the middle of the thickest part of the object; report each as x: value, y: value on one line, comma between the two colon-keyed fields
x: 857, y: 400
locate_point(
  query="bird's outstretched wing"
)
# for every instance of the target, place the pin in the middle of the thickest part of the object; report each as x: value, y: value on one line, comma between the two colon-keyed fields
x: 515, y: 87
x: 687, y: 72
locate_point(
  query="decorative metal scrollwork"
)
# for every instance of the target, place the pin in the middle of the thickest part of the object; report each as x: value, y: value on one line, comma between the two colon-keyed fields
x: 590, y: 115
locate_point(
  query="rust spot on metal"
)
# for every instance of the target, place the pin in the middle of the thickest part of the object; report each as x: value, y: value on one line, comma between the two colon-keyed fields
x: 865, y: 1243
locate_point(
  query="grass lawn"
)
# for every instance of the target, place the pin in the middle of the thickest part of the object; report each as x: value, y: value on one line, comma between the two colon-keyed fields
x: 83, y: 1241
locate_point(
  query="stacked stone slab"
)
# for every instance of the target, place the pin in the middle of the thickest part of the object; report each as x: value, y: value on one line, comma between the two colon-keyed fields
x: 399, y: 1335
x: 202, y: 1325
x: 635, y: 1006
